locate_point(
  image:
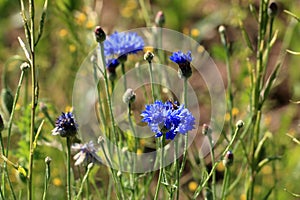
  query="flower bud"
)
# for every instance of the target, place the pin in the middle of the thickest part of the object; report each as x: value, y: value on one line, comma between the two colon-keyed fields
x: 99, y: 34
x: 119, y: 173
x: 43, y: 107
x: 273, y: 9
x: 100, y: 140
x: 1, y: 123
x: 228, y: 159
x: 240, y: 124
x: 221, y: 29
x: 48, y: 160
x: 222, y: 35
x: 160, y: 18
x: 24, y: 66
x: 148, y: 56
x: 129, y: 96
x: 206, y: 129
x: 90, y: 166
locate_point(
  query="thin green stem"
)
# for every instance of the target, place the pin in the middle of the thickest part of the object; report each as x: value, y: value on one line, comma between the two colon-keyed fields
x: 225, y: 183
x: 212, y: 153
x: 13, y: 112
x: 108, y: 98
x: 47, y: 179
x: 112, y: 171
x: 177, y: 168
x: 162, y: 142
x: 84, y: 180
x: 136, y: 141
x: 229, y: 88
x: 124, y: 75
x: 152, y: 81
x: 200, y: 187
x: 185, y: 100
x: 34, y: 98
x: 145, y: 13
x: 87, y: 195
x: 9, y: 130
x: 1, y: 194
x: 69, y: 194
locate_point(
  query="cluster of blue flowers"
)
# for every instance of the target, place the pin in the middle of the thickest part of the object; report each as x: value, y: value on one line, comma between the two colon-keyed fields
x: 65, y: 125
x: 119, y: 45
x: 168, y: 118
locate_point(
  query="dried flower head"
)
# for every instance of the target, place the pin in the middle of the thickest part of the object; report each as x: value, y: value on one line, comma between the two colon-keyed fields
x: 87, y: 154
x: 129, y: 96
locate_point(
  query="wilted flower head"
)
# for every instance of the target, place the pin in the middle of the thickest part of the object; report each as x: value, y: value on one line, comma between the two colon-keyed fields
x: 87, y: 154
x: 183, y: 61
x: 65, y: 125
x: 122, y: 44
x: 168, y: 118
x: 129, y: 96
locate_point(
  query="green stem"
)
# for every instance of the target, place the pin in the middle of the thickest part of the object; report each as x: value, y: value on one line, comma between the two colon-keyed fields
x: 112, y: 171
x: 229, y: 88
x: 200, y: 187
x: 124, y: 75
x: 85, y: 179
x: 152, y: 81
x: 9, y: 130
x: 145, y: 13
x: 213, y: 184
x: 69, y: 194
x: 108, y: 98
x: 177, y: 168
x: 136, y: 141
x: 34, y: 98
x: 13, y: 112
x: 185, y: 136
x: 47, y: 179
x: 162, y: 142
x: 225, y: 183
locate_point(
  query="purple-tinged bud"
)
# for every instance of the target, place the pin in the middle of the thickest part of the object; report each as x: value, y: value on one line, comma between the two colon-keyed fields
x: 99, y: 34
x: 273, y: 9
x: 228, y: 159
x: 206, y: 129
x: 160, y: 18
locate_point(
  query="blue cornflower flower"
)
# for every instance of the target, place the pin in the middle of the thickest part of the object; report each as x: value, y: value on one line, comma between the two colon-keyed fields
x: 65, y: 125
x: 121, y: 44
x: 168, y: 118
x: 183, y: 61
x: 87, y: 153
